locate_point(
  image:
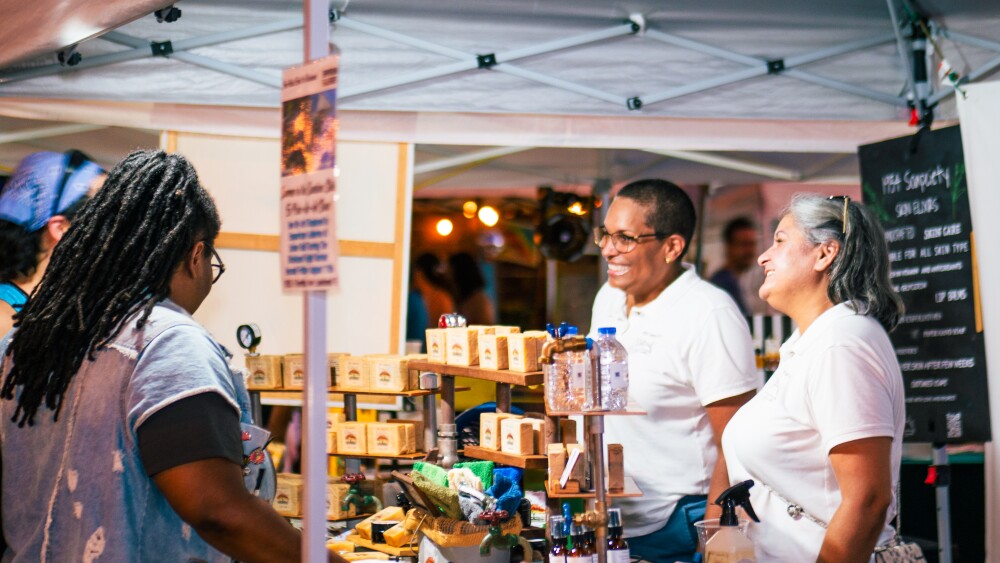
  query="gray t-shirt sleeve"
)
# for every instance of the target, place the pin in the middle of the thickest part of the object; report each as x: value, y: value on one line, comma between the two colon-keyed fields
x: 181, y: 362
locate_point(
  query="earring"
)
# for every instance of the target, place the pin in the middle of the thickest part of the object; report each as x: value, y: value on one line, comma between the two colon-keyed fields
x: 668, y: 260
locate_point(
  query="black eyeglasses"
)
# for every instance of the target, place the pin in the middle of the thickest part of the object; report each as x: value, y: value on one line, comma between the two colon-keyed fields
x: 217, y: 266
x: 847, y: 202
x: 623, y: 243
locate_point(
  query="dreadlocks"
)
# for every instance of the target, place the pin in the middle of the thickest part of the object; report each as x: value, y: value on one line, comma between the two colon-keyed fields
x: 116, y: 260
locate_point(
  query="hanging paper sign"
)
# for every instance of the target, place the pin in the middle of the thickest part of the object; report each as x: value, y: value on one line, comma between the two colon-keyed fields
x: 917, y: 186
x: 309, y: 248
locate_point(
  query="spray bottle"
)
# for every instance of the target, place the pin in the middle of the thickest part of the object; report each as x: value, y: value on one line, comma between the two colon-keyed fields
x: 729, y: 545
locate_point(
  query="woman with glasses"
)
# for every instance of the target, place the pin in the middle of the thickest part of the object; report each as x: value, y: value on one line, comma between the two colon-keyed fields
x: 823, y: 438
x: 691, y: 366
x: 126, y: 435
x: 37, y: 205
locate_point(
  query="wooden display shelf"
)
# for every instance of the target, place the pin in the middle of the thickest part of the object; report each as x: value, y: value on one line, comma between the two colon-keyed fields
x: 413, y: 457
x: 342, y: 519
x: 341, y: 391
x: 476, y: 372
x: 631, y: 490
x: 381, y: 547
x: 629, y: 410
x: 522, y: 461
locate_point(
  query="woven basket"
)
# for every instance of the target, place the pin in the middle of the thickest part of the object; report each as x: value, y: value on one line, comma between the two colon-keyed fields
x: 447, y: 532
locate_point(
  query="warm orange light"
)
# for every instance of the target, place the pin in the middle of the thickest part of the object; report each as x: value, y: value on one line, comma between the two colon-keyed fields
x: 469, y: 209
x: 577, y: 209
x: 488, y: 215
x: 444, y: 227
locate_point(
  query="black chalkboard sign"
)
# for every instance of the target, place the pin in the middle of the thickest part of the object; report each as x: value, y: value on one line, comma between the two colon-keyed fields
x: 917, y: 186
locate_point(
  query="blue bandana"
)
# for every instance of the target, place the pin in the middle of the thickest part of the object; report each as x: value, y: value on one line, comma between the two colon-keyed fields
x: 29, y: 198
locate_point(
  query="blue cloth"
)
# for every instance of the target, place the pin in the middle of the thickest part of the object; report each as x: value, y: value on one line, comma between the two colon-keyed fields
x: 82, y: 491
x: 507, y: 488
x: 13, y: 296
x: 29, y: 198
x: 677, y: 540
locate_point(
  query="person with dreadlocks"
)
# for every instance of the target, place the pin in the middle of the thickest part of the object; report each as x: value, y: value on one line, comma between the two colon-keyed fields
x: 37, y: 205
x: 144, y: 450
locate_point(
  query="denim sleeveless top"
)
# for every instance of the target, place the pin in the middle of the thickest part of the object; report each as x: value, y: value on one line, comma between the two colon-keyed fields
x: 82, y: 492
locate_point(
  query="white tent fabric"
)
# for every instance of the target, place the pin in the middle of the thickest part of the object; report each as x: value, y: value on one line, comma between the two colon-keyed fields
x: 631, y: 65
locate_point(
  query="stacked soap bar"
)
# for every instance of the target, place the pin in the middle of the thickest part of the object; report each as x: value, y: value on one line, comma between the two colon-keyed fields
x: 510, y: 433
x: 374, y: 438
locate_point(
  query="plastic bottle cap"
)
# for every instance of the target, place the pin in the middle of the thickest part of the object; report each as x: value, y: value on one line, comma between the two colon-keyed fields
x: 572, y: 331
x: 556, y: 527
x: 607, y: 330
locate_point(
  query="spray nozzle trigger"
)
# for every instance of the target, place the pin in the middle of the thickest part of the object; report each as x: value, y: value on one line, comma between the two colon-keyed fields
x: 737, y: 495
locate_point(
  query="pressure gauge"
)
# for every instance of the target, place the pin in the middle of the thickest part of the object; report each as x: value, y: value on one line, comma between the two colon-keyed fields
x: 248, y: 336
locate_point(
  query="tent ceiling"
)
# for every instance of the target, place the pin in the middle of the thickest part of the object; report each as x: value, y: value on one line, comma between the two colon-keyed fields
x: 563, y: 67
x: 372, y: 36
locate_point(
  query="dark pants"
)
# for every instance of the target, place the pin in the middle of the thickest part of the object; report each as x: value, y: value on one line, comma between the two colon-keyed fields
x: 677, y: 540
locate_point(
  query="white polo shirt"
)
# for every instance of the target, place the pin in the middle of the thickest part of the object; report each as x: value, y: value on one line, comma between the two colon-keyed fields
x: 836, y: 383
x: 688, y: 348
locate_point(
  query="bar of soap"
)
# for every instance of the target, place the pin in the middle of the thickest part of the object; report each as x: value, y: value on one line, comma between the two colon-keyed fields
x: 523, y: 350
x: 352, y: 438
x: 264, y: 372
x: 288, y: 494
x: 489, y: 429
x: 335, y: 495
x: 389, y: 373
x: 557, y: 462
x: 294, y: 369
x: 463, y: 346
x: 392, y: 513
x: 518, y: 436
x: 493, y: 351
x: 616, y: 468
x: 414, y: 433
x: 505, y: 330
x: 397, y: 536
x: 334, y: 360
x: 387, y: 439
x: 355, y: 373
x: 340, y: 546
x: 436, y: 348
x: 567, y: 428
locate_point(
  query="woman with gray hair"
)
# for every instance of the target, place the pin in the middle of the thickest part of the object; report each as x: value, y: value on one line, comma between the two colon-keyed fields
x: 823, y: 438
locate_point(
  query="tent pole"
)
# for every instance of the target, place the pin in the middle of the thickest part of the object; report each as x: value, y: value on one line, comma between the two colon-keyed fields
x: 467, y: 158
x: 316, y: 45
x: 43, y: 132
x: 720, y: 161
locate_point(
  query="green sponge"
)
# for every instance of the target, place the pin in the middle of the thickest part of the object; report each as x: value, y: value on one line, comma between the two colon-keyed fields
x: 481, y: 469
x: 436, y: 475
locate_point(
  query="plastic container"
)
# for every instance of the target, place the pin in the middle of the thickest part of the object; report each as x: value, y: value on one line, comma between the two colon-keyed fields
x: 708, y: 528
x: 613, y: 366
x: 578, y: 373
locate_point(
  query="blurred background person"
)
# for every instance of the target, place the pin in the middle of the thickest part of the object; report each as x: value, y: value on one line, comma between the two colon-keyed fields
x: 739, y: 276
x: 430, y: 280
x: 37, y: 205
x: 471, y: 298
x: 825, y: 433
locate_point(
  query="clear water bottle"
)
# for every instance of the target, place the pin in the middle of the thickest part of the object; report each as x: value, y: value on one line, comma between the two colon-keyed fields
x: 613, y: 365
x: 579, y: 373
x: 557, y: 382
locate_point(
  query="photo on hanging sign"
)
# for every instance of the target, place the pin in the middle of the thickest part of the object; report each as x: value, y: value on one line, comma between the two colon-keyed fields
x: 917, y: 187
x: 309, y: 247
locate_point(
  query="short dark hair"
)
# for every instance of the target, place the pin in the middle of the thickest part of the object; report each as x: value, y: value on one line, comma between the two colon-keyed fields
x: 669, y: 210
x: 737, y: 224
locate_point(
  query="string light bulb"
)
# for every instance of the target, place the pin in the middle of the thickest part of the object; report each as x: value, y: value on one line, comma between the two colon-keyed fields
x: 488, y: 215
x: 444, y: 227
x: 469, y: 209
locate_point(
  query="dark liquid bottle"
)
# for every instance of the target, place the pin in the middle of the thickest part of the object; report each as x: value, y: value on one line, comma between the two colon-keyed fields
x: 580, y: 552
x: 558, y: 532
x: 617, y: 546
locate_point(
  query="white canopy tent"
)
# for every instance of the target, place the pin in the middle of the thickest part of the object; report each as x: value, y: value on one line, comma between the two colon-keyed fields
x: 684, y: 78
x: 754, y: 90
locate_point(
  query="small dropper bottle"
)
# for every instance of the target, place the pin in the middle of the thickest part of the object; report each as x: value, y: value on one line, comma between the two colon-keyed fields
x: 557, y: 530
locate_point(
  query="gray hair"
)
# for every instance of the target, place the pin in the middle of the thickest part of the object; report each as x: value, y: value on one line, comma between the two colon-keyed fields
x: 859, y: 273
